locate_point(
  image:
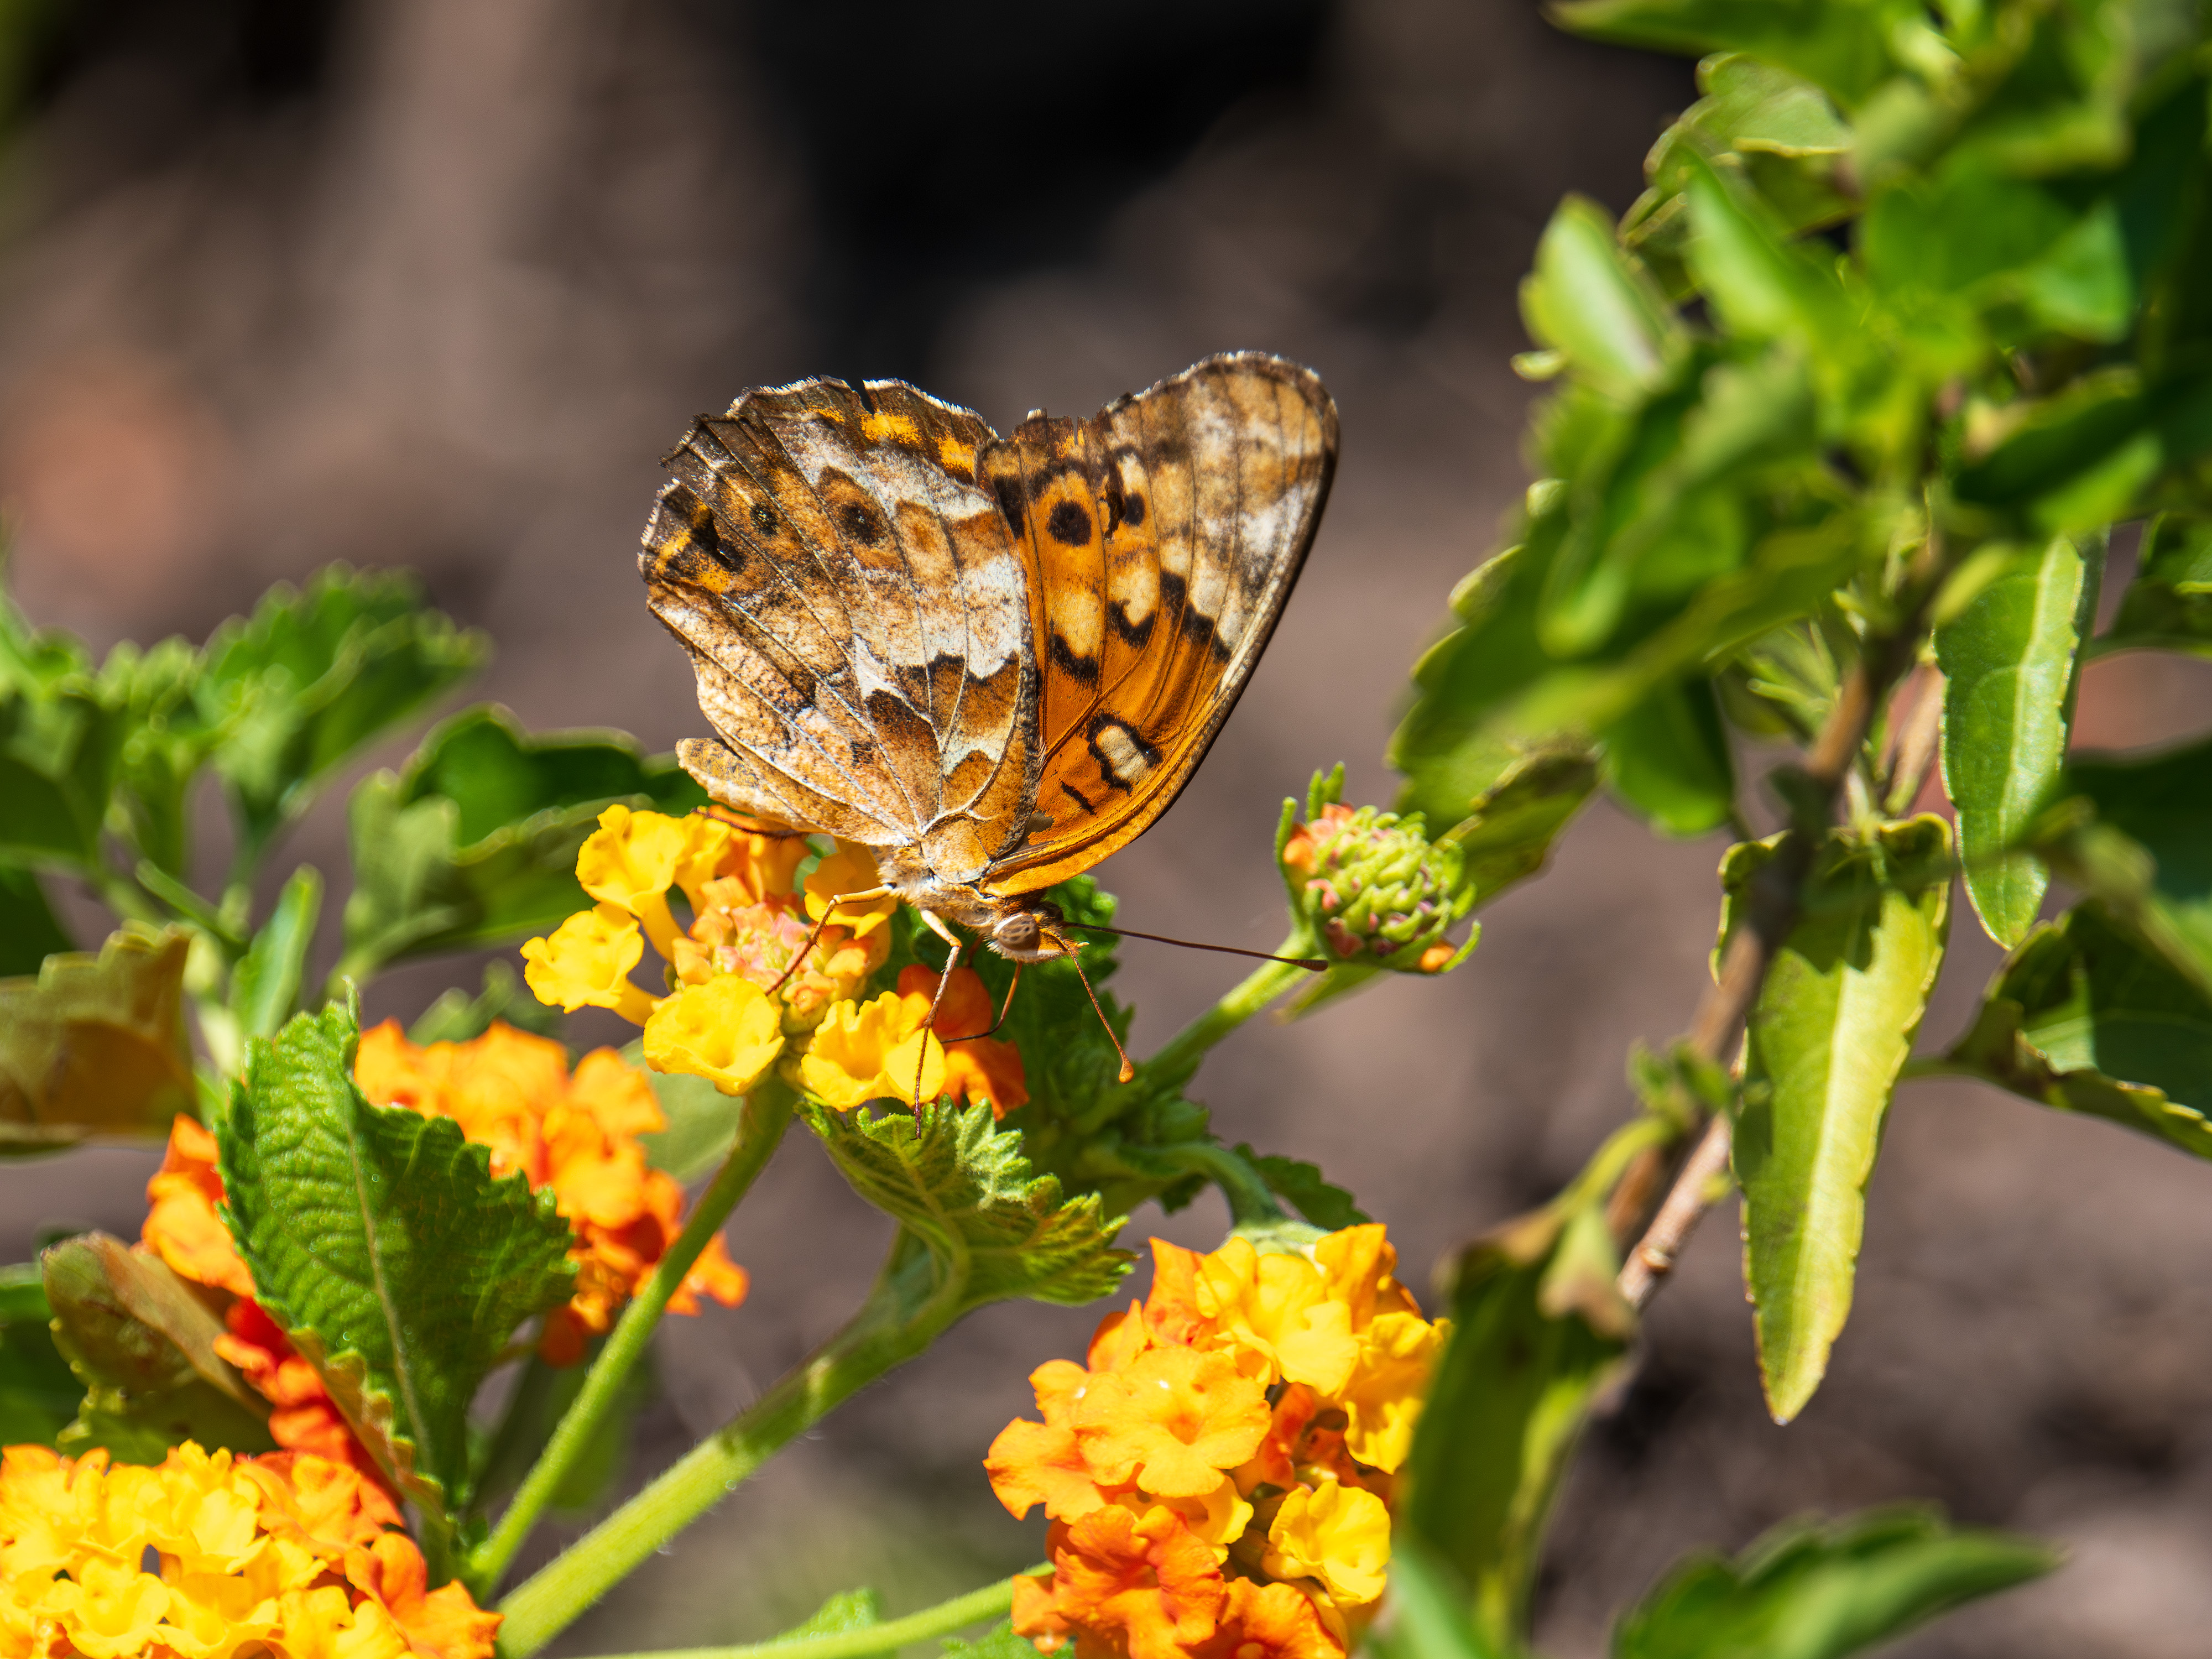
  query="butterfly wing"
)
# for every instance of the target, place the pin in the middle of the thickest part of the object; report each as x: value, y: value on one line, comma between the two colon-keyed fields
x: 1164, y: 534
x: 857, y: 610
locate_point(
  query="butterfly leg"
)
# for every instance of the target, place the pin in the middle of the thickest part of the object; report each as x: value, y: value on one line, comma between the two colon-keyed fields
x: 807, y: 949
x: 929, y: 1024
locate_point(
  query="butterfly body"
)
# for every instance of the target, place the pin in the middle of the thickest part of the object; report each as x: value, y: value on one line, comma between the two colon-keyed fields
x: 994, y: 661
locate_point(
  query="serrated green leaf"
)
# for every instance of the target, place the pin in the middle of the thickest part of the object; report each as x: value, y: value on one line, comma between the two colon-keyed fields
x: 142, y: 1344
x: 61, y: 742
x: 999, y: 1641
x: 1824, y: 1043
x: 2135, y: 831
x: 1816, y: 1590
x: 475, y: 842
x: 1537, y: 1330
x: 29, y: 931
x: 963, y: 1189
x: 2010, y: 660
x: 847, y: 1610
x: 1309, y: 1192
x: 1668, y: 760
x: 317, y: 674
x: 2084, y: 1018
x: 378, y: 1238
x: 95, y: 1046
x: 171, y: 737
x: 38, y: 1392
x: 264, y: 986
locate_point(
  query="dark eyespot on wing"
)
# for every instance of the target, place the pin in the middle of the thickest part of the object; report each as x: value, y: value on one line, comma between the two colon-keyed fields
x: 763, y: 518
x: 1069, y: 524
x: 1132, y: 510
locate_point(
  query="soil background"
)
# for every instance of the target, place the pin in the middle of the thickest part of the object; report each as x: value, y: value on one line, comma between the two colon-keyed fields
x: 434, y: 282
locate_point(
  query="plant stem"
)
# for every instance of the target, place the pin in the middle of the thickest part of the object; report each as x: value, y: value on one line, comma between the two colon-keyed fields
x: 902, y: 1316
x: 992, y: 1601
x: 767, y: 1114
x: 1250, y: 1202
x: 1178, y: 1060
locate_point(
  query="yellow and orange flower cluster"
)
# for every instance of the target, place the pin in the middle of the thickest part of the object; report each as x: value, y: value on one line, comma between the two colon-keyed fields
x: 508, y: 1091
x: 736, y: 1005
x: 206, y: 1556
x: 1219, y: 1478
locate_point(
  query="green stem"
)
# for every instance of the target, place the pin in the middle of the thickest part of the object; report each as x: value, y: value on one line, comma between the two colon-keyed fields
x: 992, y: 1601
x: 767, y: 1114
x: 1250, y: 1202
x: 1178, y: 1059
x: 912, y: 1305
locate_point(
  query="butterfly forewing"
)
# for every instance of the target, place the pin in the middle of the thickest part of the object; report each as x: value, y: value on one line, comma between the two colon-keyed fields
x: 857, y: 613
x: 1005, y: 656
x: 1166, y: 532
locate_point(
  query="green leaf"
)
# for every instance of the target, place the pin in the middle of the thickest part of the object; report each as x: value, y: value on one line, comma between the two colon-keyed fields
x: 475, y: 842
x: 29, y: 932
x: 1840, y: 45
x: 1425, y: 1617
x: 96, y: 1046
x: 1513, y: 824
x: 1308, y: 1191
x: 1588, y: 300
x: 61, y: 742
x: 2136, y: 832
x: 264, y: 987
x: 1668, y: 760
x: 1762, y: 286
x: 142, y: 1343
x: 999, y: 1641
x: 38, y: 1392
x: 964, y: 1192
x: 702, y: 1120
x: 2009, y: 659
x: 171, y: 737
x: 2084, y: 1018
x: 454, y: 1015
x: 1815, y: 1590
x: 1829, y: 1033
x: 378, y: 1237
x: 2169, y: 605
x: 1537, y: 1329
x: 315, y: 676
x: 847, y: 1610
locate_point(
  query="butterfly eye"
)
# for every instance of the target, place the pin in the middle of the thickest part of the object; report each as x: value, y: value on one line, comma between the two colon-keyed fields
x: 763, y: 518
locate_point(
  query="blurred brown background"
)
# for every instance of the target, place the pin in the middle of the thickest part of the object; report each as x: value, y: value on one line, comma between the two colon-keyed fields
x: 434, y: 282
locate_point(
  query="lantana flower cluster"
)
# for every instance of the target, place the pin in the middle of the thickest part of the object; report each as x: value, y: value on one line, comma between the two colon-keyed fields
x: 735, y: 1004
x: 510, y: 1092
x: 1219, y: 1477
x: 206, y: 1555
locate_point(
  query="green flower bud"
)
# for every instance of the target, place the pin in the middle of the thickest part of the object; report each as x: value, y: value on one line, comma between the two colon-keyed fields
x: 1370, y: 886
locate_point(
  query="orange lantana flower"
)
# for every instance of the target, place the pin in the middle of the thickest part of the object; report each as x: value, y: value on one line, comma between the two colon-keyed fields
x: 976, y: 1067
x: 209, y: 1556
x: 1166, y: 1448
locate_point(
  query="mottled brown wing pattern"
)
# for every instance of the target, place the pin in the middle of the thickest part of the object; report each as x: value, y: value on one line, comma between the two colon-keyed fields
x: 1165, y: 533
x: 858, y: 614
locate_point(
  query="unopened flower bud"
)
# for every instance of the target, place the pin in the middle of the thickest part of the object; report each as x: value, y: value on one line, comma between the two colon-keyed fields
x: 1369, y: 885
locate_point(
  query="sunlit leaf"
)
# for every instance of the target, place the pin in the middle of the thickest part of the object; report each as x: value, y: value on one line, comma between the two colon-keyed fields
x: 264, y: 986
x: 1840, y: 45
x: 2010, y: 664
x: 1829, y: 1033
x: 381, y: 1240
x: 1668, y: 759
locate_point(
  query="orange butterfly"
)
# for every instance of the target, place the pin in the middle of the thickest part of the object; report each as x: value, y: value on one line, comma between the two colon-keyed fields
x: 994, y: 661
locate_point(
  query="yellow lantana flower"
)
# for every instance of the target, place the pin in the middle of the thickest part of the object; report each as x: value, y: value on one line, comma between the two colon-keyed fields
x: 873, y: 1050
x: 727, y: 1029
x: 586, y: 964
x: 1337, y: 1534
x: 850, y: 869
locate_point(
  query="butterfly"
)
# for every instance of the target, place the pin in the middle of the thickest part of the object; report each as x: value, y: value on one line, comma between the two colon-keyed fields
x: 993, y: 661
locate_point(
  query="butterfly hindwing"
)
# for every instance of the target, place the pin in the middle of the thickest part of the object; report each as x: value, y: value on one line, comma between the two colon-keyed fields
x: 1164, y: 534
x: 858, y: 614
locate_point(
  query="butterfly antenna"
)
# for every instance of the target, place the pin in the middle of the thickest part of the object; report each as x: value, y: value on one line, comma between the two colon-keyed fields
x: 1312, y: 964
x: 1074, y: 956
x: 807, y: 949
